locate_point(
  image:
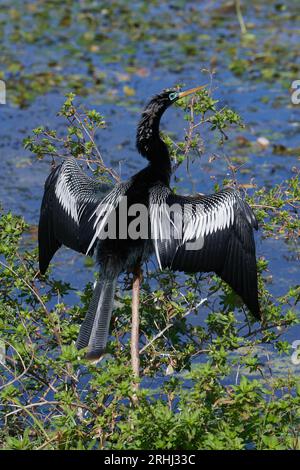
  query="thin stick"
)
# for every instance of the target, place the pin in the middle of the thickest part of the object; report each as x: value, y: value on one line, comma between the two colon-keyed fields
x: 240, y: 16
x: 100, y: 161
x: 135, y: 358
x: 91, y: 139
x: 169, y: 325
x: 36, y: 294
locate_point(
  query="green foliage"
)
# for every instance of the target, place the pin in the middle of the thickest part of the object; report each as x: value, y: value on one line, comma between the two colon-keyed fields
x: 214, y: 387
x: 278, y: 208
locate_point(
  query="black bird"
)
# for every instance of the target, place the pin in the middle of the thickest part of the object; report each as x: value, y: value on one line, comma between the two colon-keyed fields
x: 201, y: 233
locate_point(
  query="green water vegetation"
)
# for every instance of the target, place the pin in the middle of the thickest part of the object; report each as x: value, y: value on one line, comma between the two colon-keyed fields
x: 217, y: 380
x: 133, y: 37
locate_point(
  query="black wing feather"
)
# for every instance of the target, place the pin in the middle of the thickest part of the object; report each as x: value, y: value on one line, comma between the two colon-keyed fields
x: 58, y: 225
x: 229, y: 251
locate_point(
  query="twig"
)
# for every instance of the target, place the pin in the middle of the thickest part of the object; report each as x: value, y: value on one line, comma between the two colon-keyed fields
x: 263, y: 206
x: 46, y: 443
x: 91, y: 139
x: 135, y: 359
x: 266, y: 328
x: 49, y: 403
x: 100, y: 159
x: 170, y: 326
x: 36, y: 294
x: 30, y: 373
x: 189, y: 136
x: 240, y: 16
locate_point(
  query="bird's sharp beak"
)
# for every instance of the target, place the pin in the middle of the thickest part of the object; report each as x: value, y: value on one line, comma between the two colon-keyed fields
x: 190, y: 91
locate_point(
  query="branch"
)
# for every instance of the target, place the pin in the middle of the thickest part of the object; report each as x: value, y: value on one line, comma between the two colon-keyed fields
x: 91, y: 139
x: 100, y: 162
x: 135, y: 359
x: 36, y: 294
x: 240, y: 16
x: 170, y: 326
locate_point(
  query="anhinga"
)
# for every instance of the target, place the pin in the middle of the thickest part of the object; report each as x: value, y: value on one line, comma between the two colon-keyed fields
x: 76, y: 209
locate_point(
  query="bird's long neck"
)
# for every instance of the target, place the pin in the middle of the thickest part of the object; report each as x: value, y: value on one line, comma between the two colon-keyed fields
x: 151, y: 146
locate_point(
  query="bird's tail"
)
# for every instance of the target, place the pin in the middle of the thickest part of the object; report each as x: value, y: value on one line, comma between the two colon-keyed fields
x: 95, y: 327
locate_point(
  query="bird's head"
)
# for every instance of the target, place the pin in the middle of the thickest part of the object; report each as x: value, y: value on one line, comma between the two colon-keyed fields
x: 148, y: 127
x: 159, y: 103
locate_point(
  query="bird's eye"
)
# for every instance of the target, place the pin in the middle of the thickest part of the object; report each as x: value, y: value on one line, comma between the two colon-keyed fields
x: 173, y: 96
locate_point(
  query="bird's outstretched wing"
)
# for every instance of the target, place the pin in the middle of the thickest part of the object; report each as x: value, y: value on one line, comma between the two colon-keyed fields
x: 73, y: 211
x: 207, y: 233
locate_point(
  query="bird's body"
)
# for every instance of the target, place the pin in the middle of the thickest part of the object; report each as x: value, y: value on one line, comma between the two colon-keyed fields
x: 199, y: 233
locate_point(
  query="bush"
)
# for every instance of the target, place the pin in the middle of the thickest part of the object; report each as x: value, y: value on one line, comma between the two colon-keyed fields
x: 209, y: 384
